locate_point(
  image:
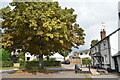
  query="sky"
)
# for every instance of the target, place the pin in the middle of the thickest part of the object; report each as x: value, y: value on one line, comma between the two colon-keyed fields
x: 91, y: 15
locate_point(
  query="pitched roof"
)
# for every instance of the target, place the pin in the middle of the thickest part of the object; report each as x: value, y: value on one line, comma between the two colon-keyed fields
x: 106, y: 37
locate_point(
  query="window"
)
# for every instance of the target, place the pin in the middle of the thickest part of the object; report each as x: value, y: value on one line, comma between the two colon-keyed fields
x: 104, y: 45
x: 106, y: 58
x: 96, y: 49
x: 80, y: 53
x: 28, y: 58
x: 86, y: 53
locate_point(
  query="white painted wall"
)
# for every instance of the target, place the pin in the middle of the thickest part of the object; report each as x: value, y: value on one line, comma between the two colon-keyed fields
x: 85, y: 54
x: 27, y: 54
x: 112, y: 64
x: 114, y: 43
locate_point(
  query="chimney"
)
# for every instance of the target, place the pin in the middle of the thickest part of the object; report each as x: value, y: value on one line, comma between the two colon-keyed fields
x: 103, y: 34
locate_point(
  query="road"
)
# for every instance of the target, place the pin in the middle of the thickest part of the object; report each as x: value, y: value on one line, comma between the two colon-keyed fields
x: 66, y: 71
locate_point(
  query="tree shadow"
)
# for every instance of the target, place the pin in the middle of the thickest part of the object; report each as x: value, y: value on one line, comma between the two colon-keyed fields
x: 35, y: 71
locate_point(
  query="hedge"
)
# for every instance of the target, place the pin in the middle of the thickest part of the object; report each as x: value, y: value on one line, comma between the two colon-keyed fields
x: 35, y: 64
x: 86, y: 61
x: 52, y: 63
x: 7, y: 64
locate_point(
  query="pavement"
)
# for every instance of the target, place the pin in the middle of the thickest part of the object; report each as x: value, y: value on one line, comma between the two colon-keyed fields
x: 64, y: 67
x: 60, y: 74
x: 7, y: 71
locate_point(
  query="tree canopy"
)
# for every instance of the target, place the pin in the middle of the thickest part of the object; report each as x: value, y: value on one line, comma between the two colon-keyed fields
x: 40, y: 28
x: 93, y: 42
x: 64, y: 52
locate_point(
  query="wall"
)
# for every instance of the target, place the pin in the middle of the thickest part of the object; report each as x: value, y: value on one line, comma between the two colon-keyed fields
x: 85, y: 54
x: 119, y: 26
x: 114, y: 43
x: 27, y: 54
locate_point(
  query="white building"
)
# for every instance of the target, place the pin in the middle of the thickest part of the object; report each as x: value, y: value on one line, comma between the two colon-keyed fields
x: 84, y: 54
x: 58, y: 57
x: 103, y: 51
x: 29, y: 57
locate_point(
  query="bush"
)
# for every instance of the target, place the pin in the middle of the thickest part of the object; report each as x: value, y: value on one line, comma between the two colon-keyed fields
x: 31, y: 65
x: 52, y: 59
x: 52, y: 63
x: 5, y: 55
x: 86, y: 61
x: 35, y: 60
x: 22, y: 64
x: 35, y: 64
x: 7, y: 64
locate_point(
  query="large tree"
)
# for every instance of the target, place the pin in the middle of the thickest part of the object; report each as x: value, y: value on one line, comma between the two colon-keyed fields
x: 41, y: 28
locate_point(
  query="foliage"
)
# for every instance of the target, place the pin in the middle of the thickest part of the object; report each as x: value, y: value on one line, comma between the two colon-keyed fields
x: 86, y: 61
x: 22, y: 64
x: 5, y: 55
x: 7, y: 64
x: 52, y: 63
x: 64, y: 52
x: 52, y: 59
x: 40, y: 27
x: 75, y: 53
x: 93, y: 42
x: 21, y: 56
x: 35, y: 64
x: 35, y: 60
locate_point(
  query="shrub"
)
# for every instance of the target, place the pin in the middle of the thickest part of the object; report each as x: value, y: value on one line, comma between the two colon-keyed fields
x: 35, y: 60
x: 86, y: 61
x: 7, y: 64
x: 52, y: 59
x: 31, y: 65
x: 22, y: 64
x: 34, y: 64
x: 52, y: 63
x: 4, y: 55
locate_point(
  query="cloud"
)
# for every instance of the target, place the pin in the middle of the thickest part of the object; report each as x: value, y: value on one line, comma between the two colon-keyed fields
x: 91, y: 13
x: 90, y: 16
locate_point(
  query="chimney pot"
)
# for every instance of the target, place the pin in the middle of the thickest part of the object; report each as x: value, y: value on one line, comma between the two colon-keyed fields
x: 103, y: 33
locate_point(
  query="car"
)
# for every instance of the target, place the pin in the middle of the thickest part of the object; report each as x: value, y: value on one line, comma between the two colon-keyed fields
x: 66, y: 62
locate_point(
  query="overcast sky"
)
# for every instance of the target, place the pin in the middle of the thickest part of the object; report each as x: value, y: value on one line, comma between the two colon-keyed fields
x: 91, y: 14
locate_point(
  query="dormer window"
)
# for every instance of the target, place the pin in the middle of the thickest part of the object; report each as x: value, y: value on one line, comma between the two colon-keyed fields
x: 86, y: 53
x: 95, y: 49
x: 81, y: 53
x: 104, y: 45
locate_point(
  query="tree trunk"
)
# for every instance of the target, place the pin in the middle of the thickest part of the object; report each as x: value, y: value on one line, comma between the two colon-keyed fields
x: 40, y: 62
x: 64, y: 58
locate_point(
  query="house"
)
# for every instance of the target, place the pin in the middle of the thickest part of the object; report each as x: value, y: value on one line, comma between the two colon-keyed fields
x: 83, y: 54
x: 58, y: 57
x: 28, y: 56
x: 77, y: 57
x: 102, y: 53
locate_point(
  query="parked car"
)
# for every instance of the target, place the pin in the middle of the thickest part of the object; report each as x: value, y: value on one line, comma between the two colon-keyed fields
x: 66, y: 62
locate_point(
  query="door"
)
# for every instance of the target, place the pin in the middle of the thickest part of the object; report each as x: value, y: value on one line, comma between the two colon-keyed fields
x: 116, y: 64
